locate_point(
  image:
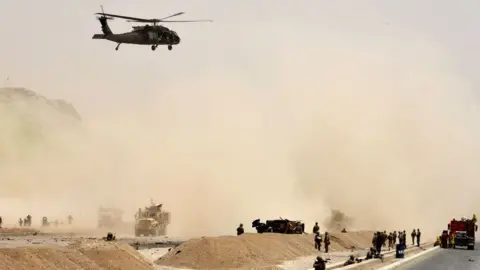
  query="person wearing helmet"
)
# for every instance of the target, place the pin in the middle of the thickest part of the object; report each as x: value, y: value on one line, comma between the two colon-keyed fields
x: 240, y: 229
x: 351, y: 260
x: 319, y: 264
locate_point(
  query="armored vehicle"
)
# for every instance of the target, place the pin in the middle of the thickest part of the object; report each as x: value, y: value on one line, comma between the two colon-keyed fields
x: 152, y: 221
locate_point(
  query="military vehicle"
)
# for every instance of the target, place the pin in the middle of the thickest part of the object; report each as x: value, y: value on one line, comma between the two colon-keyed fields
x: 109, y: 217
x: 45, y: 222
x: 281, y: 225
x: 152, y: 221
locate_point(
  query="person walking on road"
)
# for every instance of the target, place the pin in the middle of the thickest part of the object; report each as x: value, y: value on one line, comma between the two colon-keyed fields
x: 418, y: 234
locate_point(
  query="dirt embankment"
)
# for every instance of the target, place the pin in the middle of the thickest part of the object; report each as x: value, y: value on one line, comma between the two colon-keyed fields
x: 254, y: 250
x: 79, y: 255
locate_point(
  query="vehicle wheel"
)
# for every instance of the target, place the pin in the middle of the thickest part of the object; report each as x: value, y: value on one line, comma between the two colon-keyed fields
x: 170, y: 47
x: 154, y: 47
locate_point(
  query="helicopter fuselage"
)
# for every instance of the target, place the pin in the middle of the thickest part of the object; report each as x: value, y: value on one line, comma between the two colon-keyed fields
x: 145, y: 38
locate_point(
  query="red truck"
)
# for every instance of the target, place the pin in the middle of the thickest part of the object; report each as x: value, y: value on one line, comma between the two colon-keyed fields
x: 463, y: 232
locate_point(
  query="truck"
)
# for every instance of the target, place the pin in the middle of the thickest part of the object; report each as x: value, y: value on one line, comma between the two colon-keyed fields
x: 463, y: 232
x: 109, y: 217
x: 152, y: 221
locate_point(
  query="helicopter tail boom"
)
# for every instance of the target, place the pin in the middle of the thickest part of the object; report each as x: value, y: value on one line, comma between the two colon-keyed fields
x: 98, y: 36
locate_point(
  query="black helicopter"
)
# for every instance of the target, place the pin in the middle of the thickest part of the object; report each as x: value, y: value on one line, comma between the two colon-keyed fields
x: 149, y: 34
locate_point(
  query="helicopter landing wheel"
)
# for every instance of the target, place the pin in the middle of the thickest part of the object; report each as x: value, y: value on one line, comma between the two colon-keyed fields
x: 170, y: 47
x: 154, y: 47
x: 118, y: 45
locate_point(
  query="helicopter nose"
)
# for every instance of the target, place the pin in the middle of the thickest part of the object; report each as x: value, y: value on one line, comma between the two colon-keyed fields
x: 177, y: 39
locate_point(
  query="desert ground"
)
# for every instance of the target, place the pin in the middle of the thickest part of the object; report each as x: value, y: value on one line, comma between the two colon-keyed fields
x: 32, y: 248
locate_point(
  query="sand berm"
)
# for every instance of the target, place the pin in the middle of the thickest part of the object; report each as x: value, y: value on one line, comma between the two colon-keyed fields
x: 246, y: 251
x: 254, y: 250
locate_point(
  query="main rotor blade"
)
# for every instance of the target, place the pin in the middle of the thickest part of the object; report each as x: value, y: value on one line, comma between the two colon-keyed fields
x: 173, y: 15
x: 126, y: 17
x: 189, y: 21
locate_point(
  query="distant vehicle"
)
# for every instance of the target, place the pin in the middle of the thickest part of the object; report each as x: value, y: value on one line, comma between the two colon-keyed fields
x: 283, y: 226
x: 153, y: 35
x: 464, y: 232
x: 109, y: 217
x: 152, y: 221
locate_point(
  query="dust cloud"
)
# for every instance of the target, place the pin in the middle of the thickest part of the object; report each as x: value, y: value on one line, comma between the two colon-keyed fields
x: 384, y: 129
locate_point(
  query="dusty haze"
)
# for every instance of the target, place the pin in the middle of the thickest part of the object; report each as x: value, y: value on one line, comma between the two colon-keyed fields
x: 363, y: 113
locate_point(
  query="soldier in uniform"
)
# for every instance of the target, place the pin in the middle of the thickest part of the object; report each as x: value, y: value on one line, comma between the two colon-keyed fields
x: 390, y: 241
x: 240, y: 229
x: 418, y: 234
x: 327, y: 241
x: 384, y: 238
x: 374, y: 238
x: 1, y: 221
x: 316, y: 228
x: 414, y: 234
x: 394, y: 237
x: 404, y: 237
x: 370, y: 253
x: 20, y: 222
x: 318, y: 241
x: 351, y: 260
x: 29, y: 220
x: 379, y: 242
x: 70, y: 219
x: 319, y: 264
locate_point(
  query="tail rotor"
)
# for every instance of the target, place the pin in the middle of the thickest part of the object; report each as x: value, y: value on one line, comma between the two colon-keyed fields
x: 103, y: 17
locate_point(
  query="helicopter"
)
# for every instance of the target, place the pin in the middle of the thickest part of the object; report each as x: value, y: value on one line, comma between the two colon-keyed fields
x: 149, y: 34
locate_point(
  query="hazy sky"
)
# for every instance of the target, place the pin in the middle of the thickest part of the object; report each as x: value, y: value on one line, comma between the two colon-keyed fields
x: 47, y: 45
x: 333, y: 103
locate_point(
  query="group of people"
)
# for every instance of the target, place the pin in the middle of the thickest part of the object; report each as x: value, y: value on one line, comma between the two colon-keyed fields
x: 379, y: 240
x: 27, y: 221
x: 446, y: 240
x: 318, y: 240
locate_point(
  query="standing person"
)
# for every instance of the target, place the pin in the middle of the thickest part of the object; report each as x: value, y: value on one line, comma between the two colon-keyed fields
x: 1, y: 221
x: 404, y: 236
x: 240, y: 229
x: 414, y: 234
x: 29, y: 220
x: 318, y: 241
x: 384, y: 238
x: 418, y: 237
x: 70, y: 219
x: 327, y: 241
x: 394, y: 237
x: 20, y: 222
x: 390, y: 241
x: 379, y: 243
x: 452, y: 241
x: 316, y: 228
